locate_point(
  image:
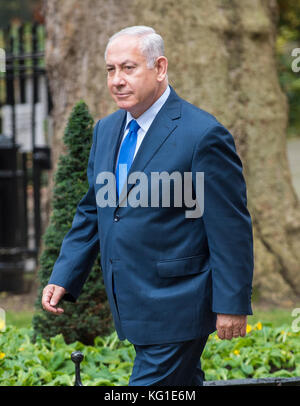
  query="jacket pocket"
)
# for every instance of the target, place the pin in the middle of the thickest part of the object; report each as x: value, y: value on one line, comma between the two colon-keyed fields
x: 182, y: 266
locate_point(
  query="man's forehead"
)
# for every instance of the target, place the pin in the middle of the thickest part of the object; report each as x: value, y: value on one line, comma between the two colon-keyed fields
x: 125, y: 39
x: 122, y: 47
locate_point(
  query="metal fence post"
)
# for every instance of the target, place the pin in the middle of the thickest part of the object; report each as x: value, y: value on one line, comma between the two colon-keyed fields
x: 77, y: 357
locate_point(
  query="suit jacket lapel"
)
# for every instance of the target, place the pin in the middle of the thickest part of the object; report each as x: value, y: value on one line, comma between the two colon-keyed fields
x: 114, y: 139
x: 162, y: 126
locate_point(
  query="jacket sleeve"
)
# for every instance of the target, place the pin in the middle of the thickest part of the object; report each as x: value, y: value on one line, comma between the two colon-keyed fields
x: 226, y: 220
x: 81, y: 244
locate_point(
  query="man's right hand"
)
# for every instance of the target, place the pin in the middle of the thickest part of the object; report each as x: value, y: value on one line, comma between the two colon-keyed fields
x: 51, y: 297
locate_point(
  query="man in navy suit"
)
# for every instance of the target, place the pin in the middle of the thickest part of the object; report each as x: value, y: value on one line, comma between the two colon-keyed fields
x: 172, y: 276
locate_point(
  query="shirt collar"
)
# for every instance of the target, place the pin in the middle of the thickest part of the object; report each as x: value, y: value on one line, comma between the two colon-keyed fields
x: 145, y: 120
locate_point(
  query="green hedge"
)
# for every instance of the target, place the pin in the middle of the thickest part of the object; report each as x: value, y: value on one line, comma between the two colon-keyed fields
x: 90, y: 316
x: 264, y: 352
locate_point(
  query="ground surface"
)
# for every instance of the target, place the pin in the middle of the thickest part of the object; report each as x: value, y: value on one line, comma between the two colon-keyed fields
x: 18, y: 302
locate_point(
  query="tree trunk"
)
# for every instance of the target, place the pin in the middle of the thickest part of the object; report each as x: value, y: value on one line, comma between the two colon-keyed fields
x: 222, y: 59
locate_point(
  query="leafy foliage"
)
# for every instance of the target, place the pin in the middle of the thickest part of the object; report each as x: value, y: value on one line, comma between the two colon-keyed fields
x: 22, y: 10
x: 264, y: 352
x: 90, y: 316
x: 48, y: 363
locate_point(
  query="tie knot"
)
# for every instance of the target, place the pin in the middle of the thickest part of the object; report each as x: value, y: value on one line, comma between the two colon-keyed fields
x: 133, y: 126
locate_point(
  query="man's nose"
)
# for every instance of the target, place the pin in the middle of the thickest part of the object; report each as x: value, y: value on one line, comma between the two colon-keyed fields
x: 118, y: 79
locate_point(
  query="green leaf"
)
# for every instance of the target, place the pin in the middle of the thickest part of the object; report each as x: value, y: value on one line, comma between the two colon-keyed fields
x: 57, y: 360
x: 247, y: 369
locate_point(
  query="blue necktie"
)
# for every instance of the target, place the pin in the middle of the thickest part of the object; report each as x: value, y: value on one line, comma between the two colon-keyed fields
x: 126, y: 155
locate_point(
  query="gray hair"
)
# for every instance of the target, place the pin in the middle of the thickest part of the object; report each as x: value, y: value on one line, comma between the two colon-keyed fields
x: 151, y: 43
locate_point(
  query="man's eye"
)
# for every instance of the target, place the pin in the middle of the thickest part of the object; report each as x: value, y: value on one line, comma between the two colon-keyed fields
x: 129, y: 67
x: 109, y: 70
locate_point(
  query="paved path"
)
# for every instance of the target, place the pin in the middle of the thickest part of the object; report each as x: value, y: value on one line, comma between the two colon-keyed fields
x: 293, y: 149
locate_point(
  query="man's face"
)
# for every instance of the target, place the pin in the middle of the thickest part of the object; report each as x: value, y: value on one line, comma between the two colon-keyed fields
x: 133, y: 86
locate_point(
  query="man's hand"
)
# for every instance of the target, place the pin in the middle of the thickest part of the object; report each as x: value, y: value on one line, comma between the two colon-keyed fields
x: 231, y: 326
x: 51, y: 296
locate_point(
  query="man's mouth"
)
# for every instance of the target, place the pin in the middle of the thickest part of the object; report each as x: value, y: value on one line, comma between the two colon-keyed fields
x: 122, y: 94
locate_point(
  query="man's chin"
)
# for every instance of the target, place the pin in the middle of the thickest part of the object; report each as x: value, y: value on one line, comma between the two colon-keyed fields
x: 125, y: 105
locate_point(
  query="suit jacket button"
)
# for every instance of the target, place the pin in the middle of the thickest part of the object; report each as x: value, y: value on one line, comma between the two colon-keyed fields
x: 117, y: 217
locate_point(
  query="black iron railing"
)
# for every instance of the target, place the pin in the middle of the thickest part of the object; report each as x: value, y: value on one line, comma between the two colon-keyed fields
x: 77, y: 357
x: 20, y: 85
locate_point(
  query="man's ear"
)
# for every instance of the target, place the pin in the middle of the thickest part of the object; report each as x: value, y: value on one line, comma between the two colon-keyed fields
x: 161, y: 66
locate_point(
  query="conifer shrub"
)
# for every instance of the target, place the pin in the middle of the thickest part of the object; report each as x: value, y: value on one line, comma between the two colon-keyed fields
x: 90, y: 316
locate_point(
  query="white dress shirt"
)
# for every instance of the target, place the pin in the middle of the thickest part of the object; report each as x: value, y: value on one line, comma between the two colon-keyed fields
x: 145, y: 120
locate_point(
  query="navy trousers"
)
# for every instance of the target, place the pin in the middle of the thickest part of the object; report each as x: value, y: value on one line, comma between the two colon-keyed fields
x: 175, y: 364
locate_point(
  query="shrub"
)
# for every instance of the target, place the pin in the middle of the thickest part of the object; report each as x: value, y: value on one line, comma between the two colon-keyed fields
x: 90, y: 316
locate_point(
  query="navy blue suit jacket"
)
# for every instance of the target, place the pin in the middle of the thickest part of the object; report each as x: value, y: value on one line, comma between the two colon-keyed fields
x: 171, y: 274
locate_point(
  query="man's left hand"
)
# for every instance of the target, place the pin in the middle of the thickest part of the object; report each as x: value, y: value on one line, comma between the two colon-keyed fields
x: 231, y: 326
